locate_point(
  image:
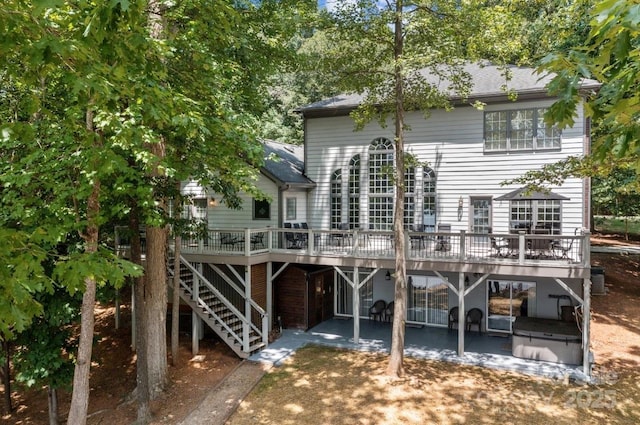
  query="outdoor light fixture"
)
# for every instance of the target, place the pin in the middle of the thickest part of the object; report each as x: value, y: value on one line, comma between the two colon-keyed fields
x: 213, y: 202
x: 460, y: 205
x: 387, y: 276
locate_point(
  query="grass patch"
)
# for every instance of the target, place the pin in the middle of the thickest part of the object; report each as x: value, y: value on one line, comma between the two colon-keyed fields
x: 618, y: 225
x: 323, y: 385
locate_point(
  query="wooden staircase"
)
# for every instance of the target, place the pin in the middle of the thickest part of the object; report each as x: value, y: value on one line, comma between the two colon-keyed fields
x: 236, y: 328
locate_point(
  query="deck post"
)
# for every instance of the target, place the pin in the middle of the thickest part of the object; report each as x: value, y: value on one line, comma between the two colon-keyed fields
x: 461, y: 314
x: 463, y: 245
x: 246, y: 324
x: 586, y: 326
x: 522, y: 247
x: 195, y: 333
x: 356, y: 306
x: 270, y: 293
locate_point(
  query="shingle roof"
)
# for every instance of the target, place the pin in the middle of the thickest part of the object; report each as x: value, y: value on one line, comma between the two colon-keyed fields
x: 288, y: 169
x: 487, y: 85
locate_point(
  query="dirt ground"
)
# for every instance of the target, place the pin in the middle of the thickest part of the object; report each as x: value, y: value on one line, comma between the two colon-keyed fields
x: 615, y: 341
x: 113, y: 380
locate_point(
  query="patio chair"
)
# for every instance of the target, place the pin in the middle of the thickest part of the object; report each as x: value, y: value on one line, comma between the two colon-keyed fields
x: 341, y: 238
x: 388, y: 311
x: 474, y: 317
x: 444, y: 241
x: 453, y: 317
x: 291, y: 242
x: 301, y: 237
x: 500, y: 246
x: 257, y: 240
x: 228, y: 239
x: 377, y: 309
x: 418, y: 240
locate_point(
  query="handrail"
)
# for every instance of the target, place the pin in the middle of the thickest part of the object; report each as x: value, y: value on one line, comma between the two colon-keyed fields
x: 443, y: 246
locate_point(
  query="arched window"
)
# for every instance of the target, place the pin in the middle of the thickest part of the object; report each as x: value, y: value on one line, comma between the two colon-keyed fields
x: 336, y: 199
x: 381, y: 190
x: 429, y: 199
x: 354, y: 192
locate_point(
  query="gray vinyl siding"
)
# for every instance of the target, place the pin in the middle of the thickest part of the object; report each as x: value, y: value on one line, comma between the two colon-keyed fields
x: 301, y: 205
x: 452, y: 143
x: 223, y: 217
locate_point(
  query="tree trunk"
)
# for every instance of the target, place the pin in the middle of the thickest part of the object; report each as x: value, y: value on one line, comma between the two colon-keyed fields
x: 52, y: 396
x: 142, y: 379
x: 395, y: 367
x: 6, y: 375
x: 156, y: 267
x: 80, y: 395
x: 175, y: 306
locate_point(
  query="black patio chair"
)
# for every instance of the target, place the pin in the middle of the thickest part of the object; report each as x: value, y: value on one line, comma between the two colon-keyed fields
x: 377, y: 309
x: 453, y: 317
x: 291, y: 241
x: 388, y: 311
x: 418, y: 240
x: 474, y: 317
x: 257, y: 240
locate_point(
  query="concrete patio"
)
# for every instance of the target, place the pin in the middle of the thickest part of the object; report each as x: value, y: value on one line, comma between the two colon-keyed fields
x: 434, y: 343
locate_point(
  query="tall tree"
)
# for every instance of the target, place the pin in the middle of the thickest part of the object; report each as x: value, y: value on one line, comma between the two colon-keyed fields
x: 389, y: 53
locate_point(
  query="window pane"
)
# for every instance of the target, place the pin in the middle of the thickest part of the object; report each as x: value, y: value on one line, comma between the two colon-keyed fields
x: 261, y: 210
x: 495, y: 131
x: 521, y: 129
x: 336, y: 199
x: 291, y: 209
x: 546, y: 137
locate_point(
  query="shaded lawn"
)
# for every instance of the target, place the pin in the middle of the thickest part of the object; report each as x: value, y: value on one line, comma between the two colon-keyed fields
x: 323, y: 385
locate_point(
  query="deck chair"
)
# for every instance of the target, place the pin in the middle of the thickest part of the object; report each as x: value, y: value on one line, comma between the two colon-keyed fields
x: 342, y: 237
x: 377, y: 309
x: 388, y: 311
x: 418, y: 240
x: 291, y: 242
x: 474, y: 317
x: 453, y: 317
x: 500, y: 246
x: 257, y: 240
x: 301, y: 237
x: 228, y: 239
x: 443, y: 241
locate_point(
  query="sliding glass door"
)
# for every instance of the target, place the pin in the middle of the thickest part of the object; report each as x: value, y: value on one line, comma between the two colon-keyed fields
x: 507, y: 300
x: 427, y: 300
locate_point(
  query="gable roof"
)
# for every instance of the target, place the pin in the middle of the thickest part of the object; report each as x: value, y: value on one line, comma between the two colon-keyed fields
x: 288, y: 168
x: 487, y: 82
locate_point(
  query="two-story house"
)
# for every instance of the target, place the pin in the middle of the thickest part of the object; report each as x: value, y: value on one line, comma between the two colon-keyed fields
x: 480, y: 255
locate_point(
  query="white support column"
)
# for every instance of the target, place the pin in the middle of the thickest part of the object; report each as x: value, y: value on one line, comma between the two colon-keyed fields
x: 586, y: 326
x: 195, y: 333
x: 247, y: 309
x: 270, y: 293
x: 356, y: 306
x: 522, y: 247
x: 195, y: 320
x: 461, y: 314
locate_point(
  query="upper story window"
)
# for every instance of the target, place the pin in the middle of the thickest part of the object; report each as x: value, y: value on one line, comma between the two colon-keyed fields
x: 354, y: 192
x: 381, y: 188
x: 519, y: 130
x: 336, y: 199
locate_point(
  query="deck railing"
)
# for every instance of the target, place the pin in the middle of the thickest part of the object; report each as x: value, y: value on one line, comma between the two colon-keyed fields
x: 446, y: 246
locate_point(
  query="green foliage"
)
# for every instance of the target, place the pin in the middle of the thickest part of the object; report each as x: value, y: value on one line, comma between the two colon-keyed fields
x: 617, y: 193
x: 22, y: 275
x: 43, y: 350
x: 611, y: 56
